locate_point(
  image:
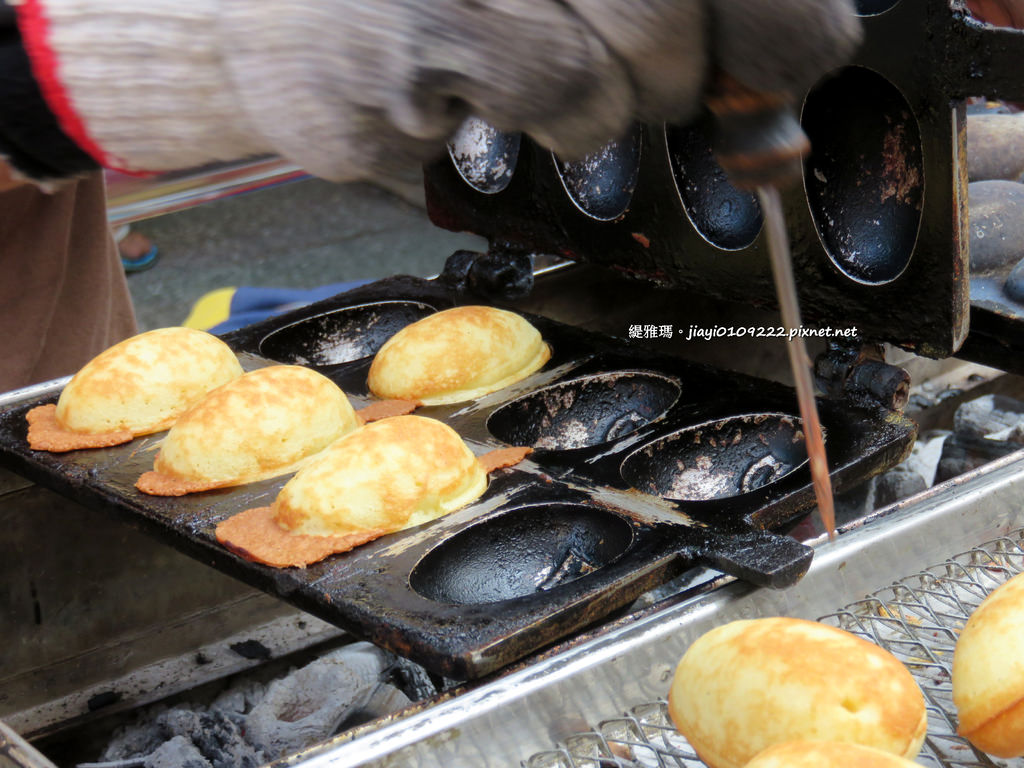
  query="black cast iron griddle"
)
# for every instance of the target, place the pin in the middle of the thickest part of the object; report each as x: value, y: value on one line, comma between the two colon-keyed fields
x: 879, y: 226
x: 578, y: 530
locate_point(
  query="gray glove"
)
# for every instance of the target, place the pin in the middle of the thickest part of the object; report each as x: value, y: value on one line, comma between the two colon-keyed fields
x: 353, y: 88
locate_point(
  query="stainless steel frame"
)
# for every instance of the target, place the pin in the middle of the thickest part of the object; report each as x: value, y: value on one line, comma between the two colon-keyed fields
x: 504, y: 722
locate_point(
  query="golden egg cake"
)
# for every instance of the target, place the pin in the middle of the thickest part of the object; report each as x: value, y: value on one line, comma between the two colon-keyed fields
x: 136, y: 387
x: 260, y: 425
x: 827, y: 754
x: 457, y: 355
x: 384, y: 477
x: 988, y: 673
x: 750, y: 684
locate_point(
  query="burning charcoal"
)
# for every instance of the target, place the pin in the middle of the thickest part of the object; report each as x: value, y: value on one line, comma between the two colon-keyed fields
x: 133, y: 741
x: 856, y: 502
x: 985, y: 416
x: 252, y: 649
x: 411, y: 679
x: 897, y: 484
x: 241, y: 698
x: 1014, y: 285
x: 994, y: 147
x: 960, y: 456
x: 217, y: 736
x: 984, y: 429
x: 384, y: 700
x: 914, y: 474
x: 308, y: 706
x: 924, y: 458
x: 179, y: 752
x: 997, y: 223
x: 250, y: 723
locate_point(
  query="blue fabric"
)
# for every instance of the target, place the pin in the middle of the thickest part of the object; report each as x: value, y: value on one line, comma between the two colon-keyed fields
x: 252, y: 304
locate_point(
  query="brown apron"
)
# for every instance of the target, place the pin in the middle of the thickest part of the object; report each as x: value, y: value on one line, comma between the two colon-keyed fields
x: 63, y: 293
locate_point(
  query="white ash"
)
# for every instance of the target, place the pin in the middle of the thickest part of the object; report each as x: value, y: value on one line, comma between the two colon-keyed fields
x: 984, y: 429
x: 179, y: 752
x: 925, y: 455
x: 988, y: 416
x: 309, y: 705
x: 251, y: 724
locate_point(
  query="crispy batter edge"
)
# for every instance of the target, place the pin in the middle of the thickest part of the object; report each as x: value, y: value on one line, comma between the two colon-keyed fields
x: 45, y: 434
x: 384, y: 409
x: 294, y: 549
x: 155, y: 483
x: 500, y: 458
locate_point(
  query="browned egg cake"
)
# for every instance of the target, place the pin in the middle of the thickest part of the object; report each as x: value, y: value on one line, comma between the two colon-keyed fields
x: 457, y: 355
x: 750, y: 684
x: 827, y: 754
x: 137, y: 387
x: 384, y: 477
x: 988, y: 673
x: 260, y: 425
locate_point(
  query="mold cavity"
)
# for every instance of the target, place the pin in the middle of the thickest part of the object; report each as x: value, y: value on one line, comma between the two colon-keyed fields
x: 586, y: 411
x: 341, y: 336
x: 873, y: 7
x: 525, y: 551
x: 723, y: 215
x: 602, y: 183
x: 865, y: 177
x: 718, y: 459
x: 484, y: 156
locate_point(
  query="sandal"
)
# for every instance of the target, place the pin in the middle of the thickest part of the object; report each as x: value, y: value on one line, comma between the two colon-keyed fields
x: 135, y: 255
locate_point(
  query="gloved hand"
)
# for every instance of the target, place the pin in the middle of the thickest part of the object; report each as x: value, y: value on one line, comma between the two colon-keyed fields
x: 352, y: 88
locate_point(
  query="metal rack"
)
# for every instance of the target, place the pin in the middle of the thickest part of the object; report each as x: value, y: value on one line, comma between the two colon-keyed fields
x: 917, y: 619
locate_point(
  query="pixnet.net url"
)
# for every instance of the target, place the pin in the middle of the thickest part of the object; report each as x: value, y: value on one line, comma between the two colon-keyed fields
x: 709, y: 332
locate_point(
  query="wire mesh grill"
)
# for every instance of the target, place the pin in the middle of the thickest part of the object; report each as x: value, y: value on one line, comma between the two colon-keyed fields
x: 917, y: 619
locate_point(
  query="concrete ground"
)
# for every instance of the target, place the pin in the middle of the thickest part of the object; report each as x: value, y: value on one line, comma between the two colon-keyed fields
x: 296, y: 235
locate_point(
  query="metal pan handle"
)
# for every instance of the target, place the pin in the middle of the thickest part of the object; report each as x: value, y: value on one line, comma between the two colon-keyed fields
x: 759, y: 557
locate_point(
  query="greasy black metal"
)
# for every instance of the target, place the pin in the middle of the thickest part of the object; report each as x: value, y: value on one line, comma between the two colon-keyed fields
x: 719, y: 459
x: 495, y: 275
x: 341, y: 337
x: 601, y: 184
x: 984, y: 61
x: 585, y: 411
x: 857, y: 373
x: 535, y: 549
x: 728, y: 217
x: 878, y: 228
x: 484, y: 156
x: 997, y: 330
x: 887, y: 384
x: 868, y: 211
x: 589, y: 543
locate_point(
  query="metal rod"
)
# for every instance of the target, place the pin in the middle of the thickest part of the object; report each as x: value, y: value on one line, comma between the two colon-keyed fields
x: 799, y: 361
x: 15, y: 752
